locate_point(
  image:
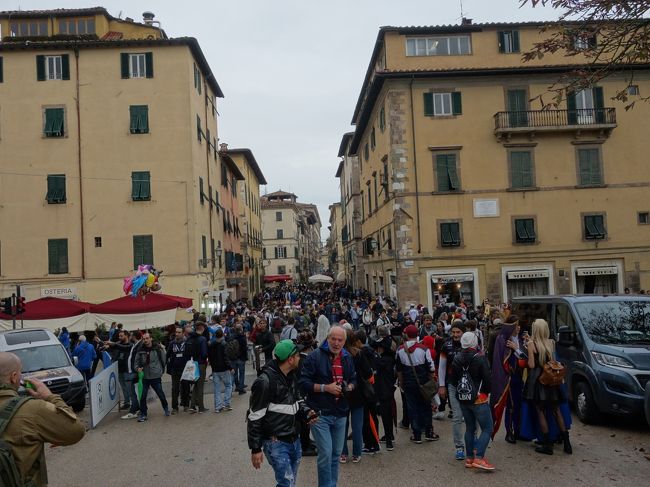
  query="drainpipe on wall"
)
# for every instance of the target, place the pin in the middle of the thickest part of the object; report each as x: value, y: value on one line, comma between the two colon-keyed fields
x: 415, y: 166
x: 81, y: 197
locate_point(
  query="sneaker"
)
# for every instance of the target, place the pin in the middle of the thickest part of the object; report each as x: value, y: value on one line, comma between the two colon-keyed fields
x: 483, y: 464
x: 167, y: 413
x: 416, y: 440
x: 130, y: 416
x: 469, y: 463
x: 142, y: 419
x: 343, y: 459
x: 389, y: 445
x: 218, y: 410
x: 370, y: 451
x: 460, y: 454
x: 440, y: 415
x: 382, y: 439
x: 202, y: 410
x: 174, y: 411
x: 431, y: 436
x: 356, y: 459
x: 124, y: 407
x: 192, y: 410
x: 228, y: 408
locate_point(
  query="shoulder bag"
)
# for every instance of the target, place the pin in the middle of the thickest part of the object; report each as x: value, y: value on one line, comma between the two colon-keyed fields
x: 428, y: 389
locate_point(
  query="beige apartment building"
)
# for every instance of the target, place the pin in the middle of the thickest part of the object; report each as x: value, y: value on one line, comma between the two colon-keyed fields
x: 353, y: 257
x: 280, y: 237
x: 250, y: 217
x: 334, y: 244
x: 469, y: 190
x: 108, y: 150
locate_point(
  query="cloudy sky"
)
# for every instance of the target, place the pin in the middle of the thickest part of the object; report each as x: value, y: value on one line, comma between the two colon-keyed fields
x: 291, y: 70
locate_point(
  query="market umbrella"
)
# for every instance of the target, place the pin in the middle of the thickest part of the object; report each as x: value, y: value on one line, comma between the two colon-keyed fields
x: 320, y: 278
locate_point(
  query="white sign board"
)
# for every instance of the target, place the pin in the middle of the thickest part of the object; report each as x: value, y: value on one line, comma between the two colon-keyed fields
x: 103, y: 394
x: 486, y: 208
x: 59, y: 292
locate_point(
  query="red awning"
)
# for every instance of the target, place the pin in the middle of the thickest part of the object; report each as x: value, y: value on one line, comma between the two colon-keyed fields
x: 278, y: 278
x: 51, y: 308
x: 141, y: 304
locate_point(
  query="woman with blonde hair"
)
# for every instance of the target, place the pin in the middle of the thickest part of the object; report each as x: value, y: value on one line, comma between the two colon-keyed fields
x: 541, y: 349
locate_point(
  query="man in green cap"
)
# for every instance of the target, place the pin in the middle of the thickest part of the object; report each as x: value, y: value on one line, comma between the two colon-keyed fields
x: 276, y: 410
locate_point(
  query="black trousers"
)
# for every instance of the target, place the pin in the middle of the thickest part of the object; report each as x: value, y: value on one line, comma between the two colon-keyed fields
x: 369, y: 438
x: 182, y: 387
x: 387, y: 417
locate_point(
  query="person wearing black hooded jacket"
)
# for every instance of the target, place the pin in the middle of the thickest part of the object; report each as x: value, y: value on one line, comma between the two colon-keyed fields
x: 385, y: 378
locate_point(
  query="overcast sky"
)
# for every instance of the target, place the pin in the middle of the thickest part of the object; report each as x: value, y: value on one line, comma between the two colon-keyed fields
x: 291, y: 70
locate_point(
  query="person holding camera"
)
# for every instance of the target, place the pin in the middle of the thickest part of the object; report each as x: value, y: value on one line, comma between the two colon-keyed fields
x: 275, y: 413
x: 327, y: 376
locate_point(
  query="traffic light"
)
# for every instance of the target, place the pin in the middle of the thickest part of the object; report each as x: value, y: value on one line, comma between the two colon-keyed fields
x: 20, y: 305
x: 6, y: 306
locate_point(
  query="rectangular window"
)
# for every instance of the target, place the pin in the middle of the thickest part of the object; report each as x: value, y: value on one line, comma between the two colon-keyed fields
x: 53, y: 69
x: 438, y: 46
x: 204, y: 251
x: 54, y: 118
x: 280, y: 252
x: 382, y: 119
x: 142, y: 250
x: 55, y: 189
x: 369, y: 200
x: 373, y: 140
x: 224, y: 175
x: 525, y: 230
x: 521, y: 169
x: 140, y: 186
x: 447, y: 173
x: 201, y: 191
x: 450, y: 234
x: 279, y: 234
x: 199, y: 130
x: 632, y: 90
x: 644, y: 217
x: 28, y: 28
x: 508, y: 41
x: 278, y: 216
x: 366, y: 152
x: 589, y: 167
x: 57, y: 253
x: 136, y: 65
x: 139, y: 115
x: 295, y: 252
x: 594, y: 227
x: 442, y: 104
x: 98, y: 241
x: 76, y: 26
x: 584, y: 41
x: 374, y: 182
x: 282, y: 269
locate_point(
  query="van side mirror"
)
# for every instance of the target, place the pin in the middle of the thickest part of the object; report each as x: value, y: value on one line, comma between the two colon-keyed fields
x: 567, y: 337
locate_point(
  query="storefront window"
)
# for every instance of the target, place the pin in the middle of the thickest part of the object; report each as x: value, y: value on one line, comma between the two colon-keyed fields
x: 597, y: 280
x: 453, y: 288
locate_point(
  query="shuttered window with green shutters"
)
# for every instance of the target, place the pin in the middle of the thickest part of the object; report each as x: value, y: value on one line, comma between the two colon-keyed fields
x: 54, y: 126
x: 525, y: 230
x: 55, y: 189
x: 382, y: 112
x: 450, y: 234
x: 508, y: 41
x: 447, y: 173
x: 52, y: 67
x: 521, y: 169
x: 589, y: 167
x: 443, y: 104
x: 594, y: 227
x: 136, y: 65
x: 142, y: 250
x: 139, y: 115
x: 57, y: 256
x: 141, y: 186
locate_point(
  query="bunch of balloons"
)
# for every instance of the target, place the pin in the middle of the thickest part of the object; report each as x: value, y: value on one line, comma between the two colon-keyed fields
x: 144, y: 281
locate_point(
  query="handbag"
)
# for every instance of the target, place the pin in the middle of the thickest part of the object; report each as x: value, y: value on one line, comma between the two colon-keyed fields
x: 191, y: 371
x: 553, y: 373
x: 429, y: 388
x: 368, y: 391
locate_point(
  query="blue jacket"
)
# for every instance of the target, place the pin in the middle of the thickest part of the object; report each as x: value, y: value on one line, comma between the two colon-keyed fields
x: 85, y: 353
x: 317, y: 369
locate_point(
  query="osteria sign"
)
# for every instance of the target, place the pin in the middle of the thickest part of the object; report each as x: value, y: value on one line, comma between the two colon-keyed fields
x: 59, y: 292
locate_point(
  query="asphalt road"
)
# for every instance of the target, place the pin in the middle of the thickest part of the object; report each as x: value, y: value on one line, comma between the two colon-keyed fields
x: 210, y: 450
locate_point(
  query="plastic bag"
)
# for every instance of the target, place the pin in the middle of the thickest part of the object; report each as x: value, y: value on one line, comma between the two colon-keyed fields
x: 191, y: 371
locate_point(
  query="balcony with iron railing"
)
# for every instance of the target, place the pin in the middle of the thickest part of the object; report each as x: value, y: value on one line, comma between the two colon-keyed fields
x: 528, y: 121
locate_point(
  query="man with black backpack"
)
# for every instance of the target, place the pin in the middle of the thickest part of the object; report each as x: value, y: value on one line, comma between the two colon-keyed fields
x: 470, y: 376
x: 27, y: 423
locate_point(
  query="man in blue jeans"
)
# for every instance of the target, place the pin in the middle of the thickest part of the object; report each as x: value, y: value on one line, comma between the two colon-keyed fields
x: 150, y: 360
x: 240, y: 364
x: 327, y: 375
x: 275, y: 414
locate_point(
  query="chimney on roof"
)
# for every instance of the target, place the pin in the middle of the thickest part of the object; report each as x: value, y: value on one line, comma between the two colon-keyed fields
x: 466, y: 21
x: 223, y: 147
x: 147, y: 17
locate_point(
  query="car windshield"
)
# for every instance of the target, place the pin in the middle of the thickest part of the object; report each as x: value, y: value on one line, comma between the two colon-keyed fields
x: 616, y: 322
x: 42, y: 358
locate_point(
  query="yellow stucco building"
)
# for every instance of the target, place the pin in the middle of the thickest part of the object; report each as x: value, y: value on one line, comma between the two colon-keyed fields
x: 469, y: 190
x: 108, y: 157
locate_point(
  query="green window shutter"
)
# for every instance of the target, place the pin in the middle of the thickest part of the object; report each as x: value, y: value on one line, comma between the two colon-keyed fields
x: 142, y: 250
x: 428, y: 104
x: 589, y: 167
x: 1, y: 72
x: 600, y: 226
x: 52, y: 257
x: 148, y: 56
x: 454, y: 228
x: 595, y: 227
x: 456, y: 103
x: 199, y: 131
x: 520, y: 227
x: 139, y: 115
x: 502, y: 41
x: 521, y: 169
x: 599, y: 103
x: 56, y: 188
x: 452, y: 173
x: 382, y: 112
x: 441, y: 172
x: 124, y: 64
x: 515, y: 41
x: 530, y: 229
x: 57, y: 250
x: 40, y: 68
x: 204, y: 250
x: 141, y: 186
x: 65, y: 66
x: 572, y: 115
x: 201, y: 197
x: 53, y: 122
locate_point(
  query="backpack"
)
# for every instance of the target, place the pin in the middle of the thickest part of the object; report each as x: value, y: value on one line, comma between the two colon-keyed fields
x: 9, y: 474
x: 232, y: 349
x: 466, y: 390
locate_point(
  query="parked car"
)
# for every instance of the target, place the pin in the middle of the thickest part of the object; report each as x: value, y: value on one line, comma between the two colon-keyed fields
x: 605, y: 343
x: 43, y: 357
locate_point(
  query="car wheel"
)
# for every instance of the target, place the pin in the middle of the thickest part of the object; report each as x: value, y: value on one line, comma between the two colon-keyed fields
x: 78, y: 405
x: 583, y: 400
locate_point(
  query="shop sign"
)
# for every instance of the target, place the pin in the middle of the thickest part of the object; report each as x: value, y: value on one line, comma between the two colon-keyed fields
x: 597, y: 271
x: 539, y: 274
x: 447, y: 278
x: 59, y: 292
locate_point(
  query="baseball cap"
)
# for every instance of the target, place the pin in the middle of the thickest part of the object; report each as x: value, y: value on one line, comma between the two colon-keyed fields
x: 285, y: 349
x: 411, y: 331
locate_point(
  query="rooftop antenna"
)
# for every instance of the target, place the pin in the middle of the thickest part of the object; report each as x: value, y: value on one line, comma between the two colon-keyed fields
x: 119, y: 16
x: 462, y: 13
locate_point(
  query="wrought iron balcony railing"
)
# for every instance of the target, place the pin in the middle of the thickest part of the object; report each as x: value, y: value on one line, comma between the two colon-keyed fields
x: 555, y: 119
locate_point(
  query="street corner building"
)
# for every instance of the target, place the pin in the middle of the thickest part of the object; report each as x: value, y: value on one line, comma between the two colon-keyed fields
x: 110, y: 159
x: 457, y: 185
